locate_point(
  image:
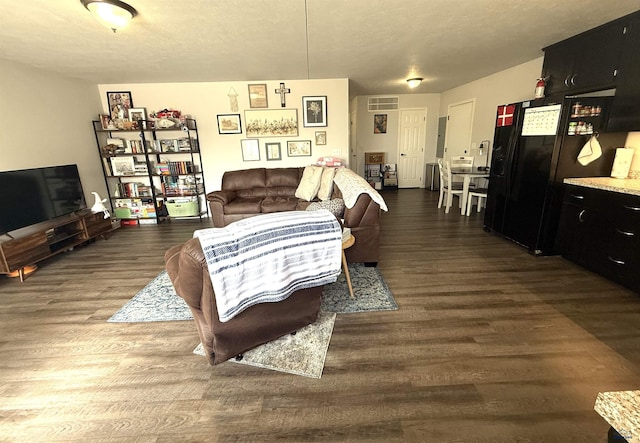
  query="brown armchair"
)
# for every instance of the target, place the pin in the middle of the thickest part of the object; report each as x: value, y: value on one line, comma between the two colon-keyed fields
x: 187, y: 269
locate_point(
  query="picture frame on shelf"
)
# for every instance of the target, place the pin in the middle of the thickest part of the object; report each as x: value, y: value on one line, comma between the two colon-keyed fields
x: 314, y: 111
x: 271, y: 122
x: 321, y: 138
x: 106, y: 122
x: 119, y: 103
x: 229, y: 124
x: 273, y: 151
x: 122, y: 166
x: 258, y: 96
x: 380, y: 123
x: 138, y: 114
x: 299, y: 148
x: 250, y: 149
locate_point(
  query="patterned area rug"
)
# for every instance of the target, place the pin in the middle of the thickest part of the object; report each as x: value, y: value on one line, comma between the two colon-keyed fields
x: 158, y: 300
x: 369, y: 288
x: 300, y: 354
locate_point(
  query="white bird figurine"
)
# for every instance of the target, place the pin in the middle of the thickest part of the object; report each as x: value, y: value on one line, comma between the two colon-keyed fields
x: 99, y: 206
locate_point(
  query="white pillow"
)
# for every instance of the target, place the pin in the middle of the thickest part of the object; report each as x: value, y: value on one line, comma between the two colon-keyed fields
x: 326, y: 183
x: 310, y: 183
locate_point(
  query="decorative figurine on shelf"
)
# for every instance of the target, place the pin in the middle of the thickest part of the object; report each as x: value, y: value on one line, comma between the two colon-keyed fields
x: 99, y: 206
x: 109, y: 150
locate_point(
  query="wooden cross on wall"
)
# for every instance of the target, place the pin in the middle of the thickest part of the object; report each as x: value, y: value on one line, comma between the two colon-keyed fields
x: 282, y: 91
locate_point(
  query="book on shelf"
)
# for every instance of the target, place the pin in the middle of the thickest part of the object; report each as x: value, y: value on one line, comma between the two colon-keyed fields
x: 122, y: 166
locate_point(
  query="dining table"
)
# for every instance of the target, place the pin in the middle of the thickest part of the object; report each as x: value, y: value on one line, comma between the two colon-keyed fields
x: 468, y: 175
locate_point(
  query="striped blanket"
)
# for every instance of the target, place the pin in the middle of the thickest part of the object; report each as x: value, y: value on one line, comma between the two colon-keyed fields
x: 268, y: 257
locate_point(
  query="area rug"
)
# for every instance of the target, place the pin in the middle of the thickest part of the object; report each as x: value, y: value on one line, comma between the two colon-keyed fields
x: 158, y: 300
x: 301, y: 354
x: 371, y: 292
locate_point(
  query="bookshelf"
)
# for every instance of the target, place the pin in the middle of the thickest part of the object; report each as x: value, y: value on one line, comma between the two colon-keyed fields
x: 153, y: 174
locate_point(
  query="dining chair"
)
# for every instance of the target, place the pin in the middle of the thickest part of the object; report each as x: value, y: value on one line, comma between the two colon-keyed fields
x: 447, y: 186
x: 480, y: 194
x: 462, y: 161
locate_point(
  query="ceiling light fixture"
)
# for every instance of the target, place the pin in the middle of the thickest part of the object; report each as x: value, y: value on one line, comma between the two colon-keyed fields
x: 414, y: 82
x: 114, y: 14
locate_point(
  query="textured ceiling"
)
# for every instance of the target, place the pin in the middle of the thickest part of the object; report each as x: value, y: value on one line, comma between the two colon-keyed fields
x: 376, y: 44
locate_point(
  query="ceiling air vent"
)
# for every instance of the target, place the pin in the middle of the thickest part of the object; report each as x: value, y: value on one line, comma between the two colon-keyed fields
x: 383, y: 104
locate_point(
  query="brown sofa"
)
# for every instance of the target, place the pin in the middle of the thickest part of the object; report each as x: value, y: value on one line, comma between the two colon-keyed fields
x: 249, y: 192
x: 261, y: 323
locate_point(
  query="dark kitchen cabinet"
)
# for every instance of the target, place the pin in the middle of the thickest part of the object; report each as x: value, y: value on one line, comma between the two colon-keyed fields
x: 625, y: 112
x: 600, y: 230
x: 587, y: 61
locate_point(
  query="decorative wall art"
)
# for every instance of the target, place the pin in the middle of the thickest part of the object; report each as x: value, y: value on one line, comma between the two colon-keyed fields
x: 250, y: 150
x: 229, y: 124
x: 233, y: 99
x: 258, y: 96
x: 273, y: 151
x: 282, y: 91
x: 271, y: 122
x: 314, y: 111
x: 321, y: 138
x: 119, y: 103
x: 380, y: 124
x: 299, y: 148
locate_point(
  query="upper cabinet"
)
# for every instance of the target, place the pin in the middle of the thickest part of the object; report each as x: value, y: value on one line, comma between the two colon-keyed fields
x: 625, y: 111
x: 602, y: 58
x: 586, y: 62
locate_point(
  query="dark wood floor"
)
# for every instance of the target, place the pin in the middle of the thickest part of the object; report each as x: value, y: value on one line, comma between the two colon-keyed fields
x: 490, y: 344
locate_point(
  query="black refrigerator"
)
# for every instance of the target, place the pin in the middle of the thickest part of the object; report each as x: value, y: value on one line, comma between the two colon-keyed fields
x: 535, y: 147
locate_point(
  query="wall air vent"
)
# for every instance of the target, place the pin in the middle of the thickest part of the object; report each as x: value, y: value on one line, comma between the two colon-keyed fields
x: 383, y: 104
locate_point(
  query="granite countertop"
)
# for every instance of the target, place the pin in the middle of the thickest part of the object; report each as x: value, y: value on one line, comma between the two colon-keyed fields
x: 622, y: 185
x: 621, y: 409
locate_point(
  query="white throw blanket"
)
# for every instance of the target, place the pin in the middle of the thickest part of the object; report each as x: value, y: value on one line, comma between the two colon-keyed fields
x: 351, y: 185
x: 268, y: 257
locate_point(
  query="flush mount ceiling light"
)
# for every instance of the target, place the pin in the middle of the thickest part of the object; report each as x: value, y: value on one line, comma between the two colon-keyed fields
x: 114, y: 14
x: 414, y: 82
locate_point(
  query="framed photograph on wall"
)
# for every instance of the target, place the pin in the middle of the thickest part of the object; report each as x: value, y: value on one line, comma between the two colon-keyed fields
x: 380, y: 124
x: 321, y: 138
x: 271, y: 122
x: 119, y: 103
x: 229, y: 124
x: 258, y: 96
x: 314, y: 111
x: 250, y: 150
x: 299, y: 148
x: 273, y: 151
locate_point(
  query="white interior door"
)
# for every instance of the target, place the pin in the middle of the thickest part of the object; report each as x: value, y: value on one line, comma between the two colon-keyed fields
x: 458, y: 133
x: 412, y: 134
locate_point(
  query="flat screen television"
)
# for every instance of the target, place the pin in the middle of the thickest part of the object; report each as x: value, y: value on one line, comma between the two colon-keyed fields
x: 31, y: 196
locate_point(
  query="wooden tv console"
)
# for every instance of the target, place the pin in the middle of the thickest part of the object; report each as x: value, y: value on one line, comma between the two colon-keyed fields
x: 38, y: 242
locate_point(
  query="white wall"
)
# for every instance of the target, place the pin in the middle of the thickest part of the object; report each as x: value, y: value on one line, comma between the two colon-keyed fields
x: 220, y: 153
x: 367, y: 141
x: 508, y: 86
x: 46, y: 121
